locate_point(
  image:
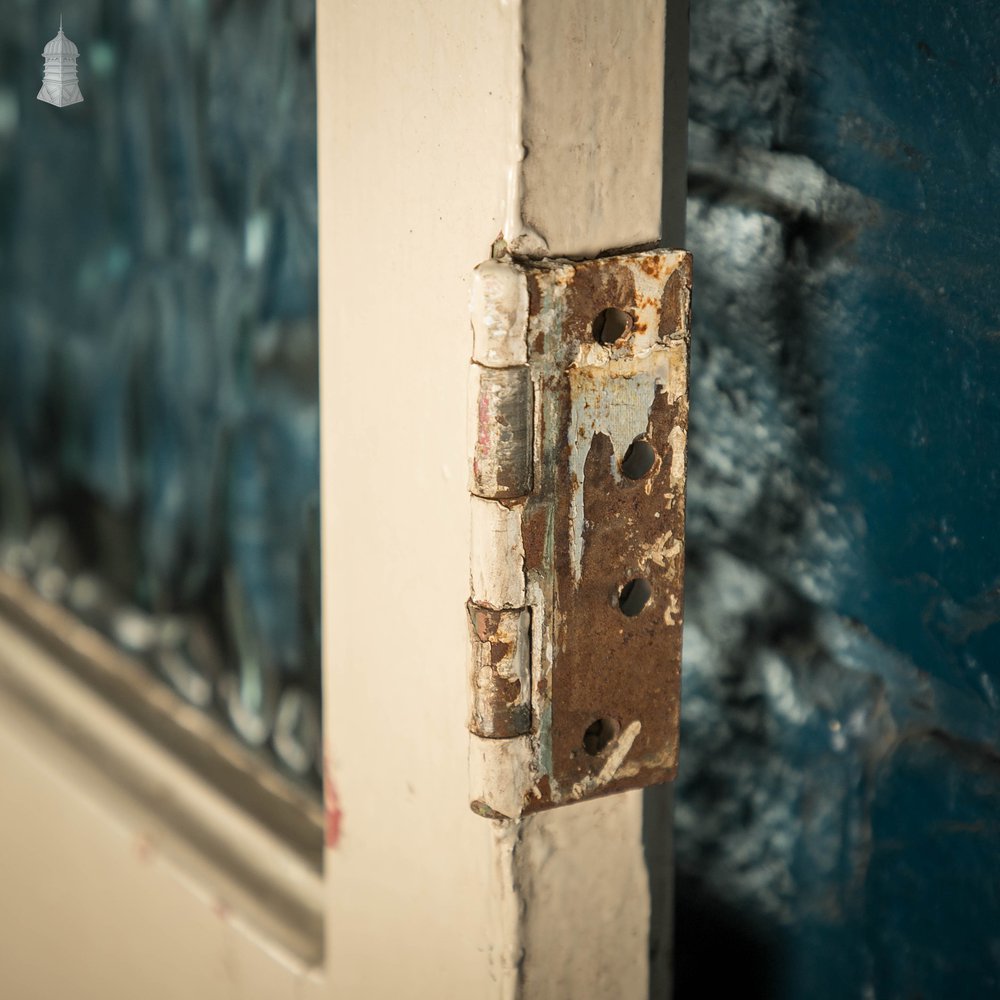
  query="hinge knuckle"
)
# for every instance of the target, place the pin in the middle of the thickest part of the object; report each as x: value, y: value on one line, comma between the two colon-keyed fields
x: 500, y: 674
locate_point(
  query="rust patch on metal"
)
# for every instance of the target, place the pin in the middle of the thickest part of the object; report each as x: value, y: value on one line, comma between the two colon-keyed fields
x: 611, y: 666
x: 502, y: 446
x: 591, y: 291
x: 500, y: 674
x: 610, y: 671
x: 534, y: 529
x: 480, y: 808
x: 675, y: 316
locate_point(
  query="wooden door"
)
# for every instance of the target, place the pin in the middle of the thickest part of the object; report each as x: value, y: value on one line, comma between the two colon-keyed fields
x: 442, y: 125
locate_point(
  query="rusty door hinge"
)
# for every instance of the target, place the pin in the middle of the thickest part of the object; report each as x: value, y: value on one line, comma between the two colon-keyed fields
x: 578, y: 424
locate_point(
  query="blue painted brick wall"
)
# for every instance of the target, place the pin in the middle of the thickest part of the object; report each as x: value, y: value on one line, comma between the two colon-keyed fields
x: 838, y: 808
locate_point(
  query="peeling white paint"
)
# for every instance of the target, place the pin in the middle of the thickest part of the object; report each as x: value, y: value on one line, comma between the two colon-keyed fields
x: 617, y: 752
x: 499, y: 310
x: 501, y: 772
x: 497, y: 555
x: 665, y: 758
x: 672, y: 612
x: 614, y: 399
x: 662, y: 551
x: 612, y: 392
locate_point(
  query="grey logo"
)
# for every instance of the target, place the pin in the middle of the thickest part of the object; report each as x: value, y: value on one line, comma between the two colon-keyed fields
x: 59, y: 83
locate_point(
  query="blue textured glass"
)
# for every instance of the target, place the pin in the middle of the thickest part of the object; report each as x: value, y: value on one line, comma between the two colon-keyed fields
x: 158, y: 344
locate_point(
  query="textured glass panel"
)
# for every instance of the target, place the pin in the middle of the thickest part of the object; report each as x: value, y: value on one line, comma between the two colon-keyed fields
x: 158, y: 345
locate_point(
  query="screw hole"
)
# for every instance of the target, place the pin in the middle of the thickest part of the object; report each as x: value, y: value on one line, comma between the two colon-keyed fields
x: 598, y: 735
x: 639, y: 459
x: 611, y: 325
x: 633, y: 596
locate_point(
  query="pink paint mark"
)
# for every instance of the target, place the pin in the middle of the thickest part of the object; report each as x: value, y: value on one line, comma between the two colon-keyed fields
x: 331, y: 802
x: 485, y: 419
x: 483, y: 438
x: 143, y: 848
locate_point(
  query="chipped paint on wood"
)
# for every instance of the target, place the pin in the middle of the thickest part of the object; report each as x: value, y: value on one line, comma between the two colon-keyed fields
x: 590, y: 524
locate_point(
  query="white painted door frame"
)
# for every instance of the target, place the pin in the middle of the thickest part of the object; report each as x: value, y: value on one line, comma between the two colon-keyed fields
x: 442, y: 126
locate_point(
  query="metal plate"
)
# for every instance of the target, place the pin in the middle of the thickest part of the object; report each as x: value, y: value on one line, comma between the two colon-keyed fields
x: 600, y: 527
